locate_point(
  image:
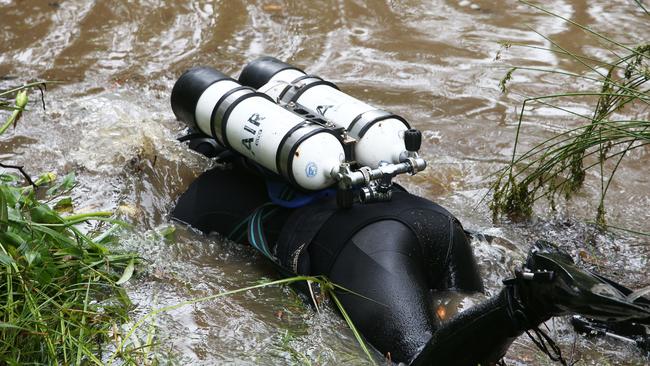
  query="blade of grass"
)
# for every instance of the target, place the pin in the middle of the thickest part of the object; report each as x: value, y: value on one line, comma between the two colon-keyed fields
x: 352, y: 327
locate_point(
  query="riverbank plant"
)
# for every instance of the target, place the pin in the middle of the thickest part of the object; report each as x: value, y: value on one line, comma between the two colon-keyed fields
x: 618, y: 124
x: 60, y: 294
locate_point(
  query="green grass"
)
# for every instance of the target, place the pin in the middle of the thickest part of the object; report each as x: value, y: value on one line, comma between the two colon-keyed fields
x: 59, y: 291
x: 557, y: 166
x: 60, y: 294
x: 297, y: 357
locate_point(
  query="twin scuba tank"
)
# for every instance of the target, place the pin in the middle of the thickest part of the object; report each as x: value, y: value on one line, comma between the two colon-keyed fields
x: 299, y: 126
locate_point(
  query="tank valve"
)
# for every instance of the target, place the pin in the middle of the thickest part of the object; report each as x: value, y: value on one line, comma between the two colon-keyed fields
x: 374, y: 185
x: 412, y: 140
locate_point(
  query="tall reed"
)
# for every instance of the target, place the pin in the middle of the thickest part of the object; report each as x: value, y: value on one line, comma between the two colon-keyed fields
x: 557, y: 166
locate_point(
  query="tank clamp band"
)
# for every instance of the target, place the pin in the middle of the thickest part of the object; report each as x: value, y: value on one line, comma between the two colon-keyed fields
x: 361, y: 123
x: 296, y: 88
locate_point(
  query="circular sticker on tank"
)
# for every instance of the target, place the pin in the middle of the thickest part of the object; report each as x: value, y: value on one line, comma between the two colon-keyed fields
x: 311, y: 169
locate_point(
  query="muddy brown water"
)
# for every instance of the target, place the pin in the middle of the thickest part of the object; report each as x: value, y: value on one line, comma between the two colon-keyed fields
x: 434, y: 62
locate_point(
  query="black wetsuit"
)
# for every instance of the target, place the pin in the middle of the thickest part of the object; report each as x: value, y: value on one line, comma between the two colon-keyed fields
x: 397, y: 253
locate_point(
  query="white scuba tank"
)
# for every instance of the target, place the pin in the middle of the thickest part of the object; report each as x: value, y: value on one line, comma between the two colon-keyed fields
x: 249, y: 122
x: 379, y: 134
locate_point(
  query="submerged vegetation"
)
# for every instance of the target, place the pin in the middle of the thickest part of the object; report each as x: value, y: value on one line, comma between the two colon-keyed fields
x: 318, y: 287
x: 557, y: 167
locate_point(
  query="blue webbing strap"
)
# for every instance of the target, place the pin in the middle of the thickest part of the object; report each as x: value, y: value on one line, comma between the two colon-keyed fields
x: 297, y: 198
x: 277, y: 189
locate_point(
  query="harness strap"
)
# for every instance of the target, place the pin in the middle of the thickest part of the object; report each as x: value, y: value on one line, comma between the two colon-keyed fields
x: 303, y: 226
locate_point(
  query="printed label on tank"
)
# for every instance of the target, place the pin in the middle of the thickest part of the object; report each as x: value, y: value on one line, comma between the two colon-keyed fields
x: 252, y: 127
x: 321, y: 109
x: 311, y: 169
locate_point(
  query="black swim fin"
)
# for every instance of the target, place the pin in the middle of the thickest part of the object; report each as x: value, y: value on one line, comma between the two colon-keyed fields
x: 551, y: 284
x: 628, y: 332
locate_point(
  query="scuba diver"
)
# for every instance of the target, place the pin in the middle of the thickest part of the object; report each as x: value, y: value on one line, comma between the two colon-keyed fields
x: 305, y: 177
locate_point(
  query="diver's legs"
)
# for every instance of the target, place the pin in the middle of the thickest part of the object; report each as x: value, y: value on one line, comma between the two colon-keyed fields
x: 480, y: 334
x: 383, y: 263
x: 549, y: 285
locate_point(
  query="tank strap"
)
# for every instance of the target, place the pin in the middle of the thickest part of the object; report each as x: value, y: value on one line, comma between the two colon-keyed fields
x: 297, y: 87
x: 362, y: 123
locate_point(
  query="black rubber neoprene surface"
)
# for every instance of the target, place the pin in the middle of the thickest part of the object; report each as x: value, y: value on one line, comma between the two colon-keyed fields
x: 259, y: 71
x: 188, y: 89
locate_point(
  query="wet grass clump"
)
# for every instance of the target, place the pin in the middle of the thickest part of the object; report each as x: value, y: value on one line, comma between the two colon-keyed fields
x: 59, y: 285
x: 60, y: 294
x: 557, y: 167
